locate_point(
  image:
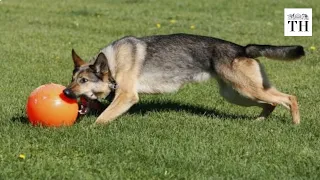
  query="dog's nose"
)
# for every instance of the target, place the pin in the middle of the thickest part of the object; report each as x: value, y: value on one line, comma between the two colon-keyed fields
x: 69, y: 93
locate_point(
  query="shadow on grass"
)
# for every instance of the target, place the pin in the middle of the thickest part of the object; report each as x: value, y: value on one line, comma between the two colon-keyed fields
x: 168, y: 106
x: 146, y: 107
x: 24, y: 119
x: 20, y: 119
x: 143, y: 108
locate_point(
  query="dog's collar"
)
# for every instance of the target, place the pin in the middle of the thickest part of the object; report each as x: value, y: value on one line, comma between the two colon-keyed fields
x: 112, y: 84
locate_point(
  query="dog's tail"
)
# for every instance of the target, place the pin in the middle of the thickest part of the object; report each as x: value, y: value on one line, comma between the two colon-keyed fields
x: 274, y: 52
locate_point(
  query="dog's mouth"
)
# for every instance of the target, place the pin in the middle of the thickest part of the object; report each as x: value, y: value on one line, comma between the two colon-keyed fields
x: 84, y: 100
x: 88, y: 105
x: 84, y: 106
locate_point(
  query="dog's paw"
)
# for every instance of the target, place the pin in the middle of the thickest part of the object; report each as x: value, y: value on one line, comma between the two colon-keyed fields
x: 260, y: 118
x: 101, y: 122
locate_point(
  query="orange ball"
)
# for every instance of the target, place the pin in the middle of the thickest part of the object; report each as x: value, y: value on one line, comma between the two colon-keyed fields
x: 48, y: 106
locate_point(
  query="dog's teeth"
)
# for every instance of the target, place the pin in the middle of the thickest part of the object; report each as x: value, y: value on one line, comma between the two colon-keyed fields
x: 83, y: 109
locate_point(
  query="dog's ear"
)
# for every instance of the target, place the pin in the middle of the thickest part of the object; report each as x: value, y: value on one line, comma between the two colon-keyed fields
x: 101, y: 64
x: 77, y: 60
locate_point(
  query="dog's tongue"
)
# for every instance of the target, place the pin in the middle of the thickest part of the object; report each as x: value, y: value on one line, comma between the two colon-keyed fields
x: 84, y: 107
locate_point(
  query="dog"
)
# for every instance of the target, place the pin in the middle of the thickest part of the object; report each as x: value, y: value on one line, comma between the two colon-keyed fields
x: 164, y: 63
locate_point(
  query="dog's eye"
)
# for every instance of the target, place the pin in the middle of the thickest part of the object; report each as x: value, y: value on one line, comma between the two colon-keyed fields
x: 83, y: 80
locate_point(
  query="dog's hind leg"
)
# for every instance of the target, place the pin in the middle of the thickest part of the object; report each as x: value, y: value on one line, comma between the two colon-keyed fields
x: 247, y: 78
x: 290, y: 102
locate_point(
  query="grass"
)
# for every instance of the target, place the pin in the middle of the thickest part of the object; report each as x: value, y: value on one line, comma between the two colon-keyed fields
x: 193, y: 134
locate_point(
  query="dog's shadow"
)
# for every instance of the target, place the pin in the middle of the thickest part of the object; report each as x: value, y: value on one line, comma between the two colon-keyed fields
x: 170, y: 106
x: 23, y: 119
x: 143, y: 108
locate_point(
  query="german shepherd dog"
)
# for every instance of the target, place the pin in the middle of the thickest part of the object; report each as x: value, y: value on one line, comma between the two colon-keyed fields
x: 164, y: 63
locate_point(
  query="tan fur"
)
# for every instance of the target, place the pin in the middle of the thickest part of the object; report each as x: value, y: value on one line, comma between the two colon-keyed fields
x: 246, y: 78
x: 126, y: 76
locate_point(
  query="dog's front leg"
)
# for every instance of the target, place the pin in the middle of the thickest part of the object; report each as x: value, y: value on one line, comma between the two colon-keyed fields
x: 121, y: 103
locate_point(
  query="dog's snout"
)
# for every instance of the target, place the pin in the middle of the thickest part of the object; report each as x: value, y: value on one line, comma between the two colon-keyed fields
x: 68, y: 92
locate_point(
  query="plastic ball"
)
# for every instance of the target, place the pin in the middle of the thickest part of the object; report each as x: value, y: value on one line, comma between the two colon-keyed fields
x: 48, y: 106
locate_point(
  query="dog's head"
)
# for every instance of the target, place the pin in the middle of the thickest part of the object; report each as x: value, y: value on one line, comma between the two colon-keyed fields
x: 89, y: 80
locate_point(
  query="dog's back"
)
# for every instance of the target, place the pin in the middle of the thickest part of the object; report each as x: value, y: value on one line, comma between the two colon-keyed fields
x: 172, y: 60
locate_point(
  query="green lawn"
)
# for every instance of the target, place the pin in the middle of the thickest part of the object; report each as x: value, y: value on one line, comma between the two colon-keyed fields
x: 193, y: 134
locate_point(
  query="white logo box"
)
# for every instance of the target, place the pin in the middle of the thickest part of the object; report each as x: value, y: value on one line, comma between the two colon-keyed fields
x: 298, y: 22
